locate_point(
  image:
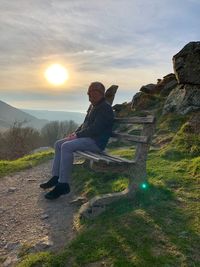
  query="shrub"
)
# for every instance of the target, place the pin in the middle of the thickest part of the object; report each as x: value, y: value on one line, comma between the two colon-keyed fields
x: 18, y: 141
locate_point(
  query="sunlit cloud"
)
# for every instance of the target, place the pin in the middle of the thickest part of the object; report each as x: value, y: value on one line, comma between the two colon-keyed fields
x: 129, y: 43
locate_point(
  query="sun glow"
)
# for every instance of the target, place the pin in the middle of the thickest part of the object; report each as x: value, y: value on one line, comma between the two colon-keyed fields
x: 56, y: 74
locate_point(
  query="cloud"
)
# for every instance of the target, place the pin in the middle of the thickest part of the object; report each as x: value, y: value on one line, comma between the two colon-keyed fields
x: 125, y: 42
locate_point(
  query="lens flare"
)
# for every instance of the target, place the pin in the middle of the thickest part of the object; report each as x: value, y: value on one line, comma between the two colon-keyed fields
x: 56, y: 74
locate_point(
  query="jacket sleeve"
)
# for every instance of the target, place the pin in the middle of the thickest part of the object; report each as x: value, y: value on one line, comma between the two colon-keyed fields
x: 103, y: 119
x: 79, y: 128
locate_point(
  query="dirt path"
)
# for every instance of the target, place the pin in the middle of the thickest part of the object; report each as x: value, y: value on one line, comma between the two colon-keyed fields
x: 28, y: 218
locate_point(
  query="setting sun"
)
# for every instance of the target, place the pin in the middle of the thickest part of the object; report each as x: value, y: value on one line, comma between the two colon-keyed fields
x: 56, y: 74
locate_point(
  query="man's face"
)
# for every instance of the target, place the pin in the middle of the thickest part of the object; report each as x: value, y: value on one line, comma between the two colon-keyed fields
x: 94, y: 95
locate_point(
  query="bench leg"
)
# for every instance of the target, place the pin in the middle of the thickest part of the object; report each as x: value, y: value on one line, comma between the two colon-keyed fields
x: 98, y: 204
x: 137, y: 176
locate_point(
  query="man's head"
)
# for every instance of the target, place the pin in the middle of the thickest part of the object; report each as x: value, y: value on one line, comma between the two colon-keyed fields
x: 96, y: 92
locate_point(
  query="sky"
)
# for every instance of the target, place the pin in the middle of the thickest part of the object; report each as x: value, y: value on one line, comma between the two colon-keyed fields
x: 125, y: 42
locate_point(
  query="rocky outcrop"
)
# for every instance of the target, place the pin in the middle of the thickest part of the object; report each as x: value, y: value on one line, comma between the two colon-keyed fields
x: 179, y: 92
x: 143, y: 101
x: 194, y: 123
x: 149, y: 94
x: 186, y: 64
x: 183, y: 99
x: 149, y: 88
x: 165, y: 86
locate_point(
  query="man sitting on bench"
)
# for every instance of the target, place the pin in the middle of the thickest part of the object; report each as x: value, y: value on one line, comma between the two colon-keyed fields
x: 92, y: 136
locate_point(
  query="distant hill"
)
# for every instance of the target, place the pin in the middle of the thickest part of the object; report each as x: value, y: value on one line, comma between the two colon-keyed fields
x: 57, y: 115
x: 10, y: 114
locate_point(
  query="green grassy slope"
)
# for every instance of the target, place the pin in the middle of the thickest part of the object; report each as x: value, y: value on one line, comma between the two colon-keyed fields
x: 8, y: 166
x: 159, y: 227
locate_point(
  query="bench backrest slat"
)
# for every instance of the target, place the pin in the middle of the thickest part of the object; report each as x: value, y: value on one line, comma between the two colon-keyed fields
x: 134, y: 138
x: 143, y: 140
x: 110, y: 93
x: 137, y: 120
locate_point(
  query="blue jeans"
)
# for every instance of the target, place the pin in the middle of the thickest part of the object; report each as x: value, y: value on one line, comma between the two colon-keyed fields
x: 63, y: 159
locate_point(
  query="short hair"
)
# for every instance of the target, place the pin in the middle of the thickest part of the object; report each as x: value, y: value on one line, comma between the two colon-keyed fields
x: 98, y: 87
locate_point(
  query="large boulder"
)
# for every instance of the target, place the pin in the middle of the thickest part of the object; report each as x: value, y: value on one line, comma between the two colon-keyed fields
x: 165, y: 86
x: 148, y: 88
x: 186, y: 64
x: 143, y: 101
x: 183, y: 99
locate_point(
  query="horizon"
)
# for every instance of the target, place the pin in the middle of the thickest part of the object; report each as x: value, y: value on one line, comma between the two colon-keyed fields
x: 129, y: 43
x: 73, y: 111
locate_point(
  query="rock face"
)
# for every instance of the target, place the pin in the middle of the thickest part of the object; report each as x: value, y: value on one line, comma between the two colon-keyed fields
x: 149, y: 94
x: 183, y: 99
x: 149, y: 88
x: 179, y: 92
x: 143, y: 101
x: 194, y: 123
x: 186, y: 64
x: 165, y: 86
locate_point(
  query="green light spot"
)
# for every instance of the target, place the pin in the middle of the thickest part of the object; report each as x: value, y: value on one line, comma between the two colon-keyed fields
x: 144, y: 185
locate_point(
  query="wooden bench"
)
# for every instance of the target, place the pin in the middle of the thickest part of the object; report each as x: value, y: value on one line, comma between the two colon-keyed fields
x: 134, y: 168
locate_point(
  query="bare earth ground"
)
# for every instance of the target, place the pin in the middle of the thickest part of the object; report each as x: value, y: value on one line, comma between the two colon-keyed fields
x: 28, y: 219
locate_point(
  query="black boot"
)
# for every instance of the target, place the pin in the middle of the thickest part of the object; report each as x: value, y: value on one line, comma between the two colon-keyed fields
x: 60, y: 189
x: 52, y: 182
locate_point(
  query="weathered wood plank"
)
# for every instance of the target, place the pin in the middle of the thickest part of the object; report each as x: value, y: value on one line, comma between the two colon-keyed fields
x: 101, y: 157
x: 115, y: 159
x: 122, y: 159
x: 110, y: 93
x: 85, y: 155
x: 139, y: 120
x: 93, y: 156
x: 134, y: 138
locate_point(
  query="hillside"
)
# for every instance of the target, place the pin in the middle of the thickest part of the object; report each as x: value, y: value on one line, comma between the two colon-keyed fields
x: 158, y: 227
x: 9, y: 114
x: 56, y: 115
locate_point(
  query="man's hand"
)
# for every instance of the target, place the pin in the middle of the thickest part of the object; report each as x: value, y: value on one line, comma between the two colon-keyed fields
x: 71, y: 136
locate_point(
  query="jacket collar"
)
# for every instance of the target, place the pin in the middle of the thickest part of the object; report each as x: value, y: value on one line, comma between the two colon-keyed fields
x: 100, y: 101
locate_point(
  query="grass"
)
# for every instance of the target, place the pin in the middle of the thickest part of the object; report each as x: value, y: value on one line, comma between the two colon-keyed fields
x: 8, y: 166
x: 159, y: 227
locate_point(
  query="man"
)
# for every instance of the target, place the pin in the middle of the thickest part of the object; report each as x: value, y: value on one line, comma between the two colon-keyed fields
x: 92, y: 135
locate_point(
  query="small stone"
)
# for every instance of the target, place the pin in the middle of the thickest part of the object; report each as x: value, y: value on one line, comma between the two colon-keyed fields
x: 7, y: 262
x: 12, y: 189
x: 44, y: 216
x: 183, y: 234
x: 10, y: 261
x: 31, y: 180
x: 12, y: 246
x: 2, y: 210
x: 78, y: 201
x: 44, y: 243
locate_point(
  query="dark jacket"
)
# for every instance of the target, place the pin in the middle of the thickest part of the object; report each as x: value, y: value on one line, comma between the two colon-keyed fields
x: 98, y: 123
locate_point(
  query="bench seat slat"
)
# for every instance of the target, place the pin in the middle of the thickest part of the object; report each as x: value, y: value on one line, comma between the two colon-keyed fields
x: 85, y: 155
x: 119, y: 158
x: 94, y: 156
x: 106, y: 156
x: 103, y: 157
x: 134, y: 138
x: 139, y: 120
